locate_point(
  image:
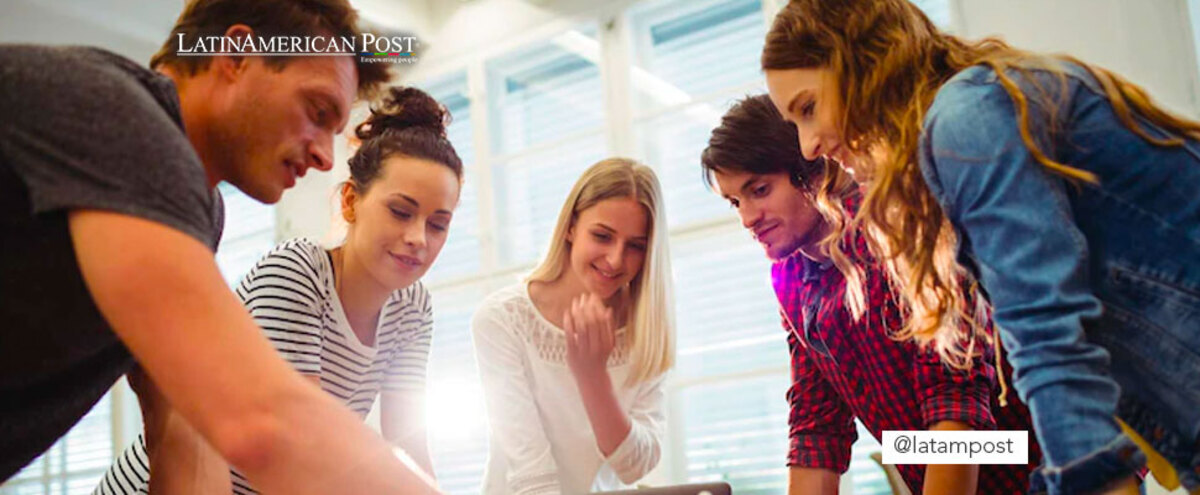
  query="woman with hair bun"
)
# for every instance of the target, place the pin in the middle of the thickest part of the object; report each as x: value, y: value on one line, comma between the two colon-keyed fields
x: 355, y: 318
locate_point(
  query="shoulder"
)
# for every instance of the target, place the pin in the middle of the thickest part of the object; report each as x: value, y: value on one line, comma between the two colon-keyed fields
x: 970, y: 99
x: 978, y: 94
x: 504, y: 308
x: 415, y: 296
x: 409, y: 309
x: 301, y: 253
x: 300, y: 263
x: 87, y: 82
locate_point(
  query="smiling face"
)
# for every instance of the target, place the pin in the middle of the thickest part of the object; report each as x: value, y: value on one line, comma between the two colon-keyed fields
x: 399, y: 226
x: 809, y: 99
x: 780, y: 216
x: 608, y: 245
x: 279, y: 122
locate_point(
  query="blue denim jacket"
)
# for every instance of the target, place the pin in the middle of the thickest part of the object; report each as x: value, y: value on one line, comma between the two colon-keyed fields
x: 1096, y: 287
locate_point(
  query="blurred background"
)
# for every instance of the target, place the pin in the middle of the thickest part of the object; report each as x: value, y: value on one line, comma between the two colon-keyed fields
x: 539, y: 90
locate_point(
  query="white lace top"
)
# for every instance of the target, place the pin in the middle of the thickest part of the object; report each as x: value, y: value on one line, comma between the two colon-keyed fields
x: 541, y: 440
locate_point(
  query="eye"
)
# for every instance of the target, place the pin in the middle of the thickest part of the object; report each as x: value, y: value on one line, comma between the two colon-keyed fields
x: 807, y: 109
x: 733, y: 203
x: 401, y: 214
x: 637, y: 246
x: 438, y: 226
x: 601, y: 236
x: 760, y: 190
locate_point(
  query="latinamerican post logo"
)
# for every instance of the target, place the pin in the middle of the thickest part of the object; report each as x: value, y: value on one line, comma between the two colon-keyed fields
x: 368, y: 47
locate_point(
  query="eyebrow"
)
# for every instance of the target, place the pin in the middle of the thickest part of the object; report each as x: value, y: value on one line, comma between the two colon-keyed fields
x: 417, y: 204
x: 792, y: 102
x: 610, y: 229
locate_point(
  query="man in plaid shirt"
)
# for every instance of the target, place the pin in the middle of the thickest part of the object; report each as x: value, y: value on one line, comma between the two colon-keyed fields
x: 842, y: 367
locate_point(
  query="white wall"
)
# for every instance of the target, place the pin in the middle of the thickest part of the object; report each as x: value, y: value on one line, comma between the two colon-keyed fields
x: 1148, y: 42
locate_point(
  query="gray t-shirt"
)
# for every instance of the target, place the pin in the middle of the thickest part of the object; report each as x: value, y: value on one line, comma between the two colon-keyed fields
x: 80, y: 128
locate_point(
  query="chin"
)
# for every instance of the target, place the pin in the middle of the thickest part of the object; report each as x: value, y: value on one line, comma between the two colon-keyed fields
x: 603, y: 292
x: 776, y: 253
x: 262, y: 194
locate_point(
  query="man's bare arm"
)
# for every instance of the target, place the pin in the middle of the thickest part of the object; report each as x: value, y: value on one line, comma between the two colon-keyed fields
x: 181, y: 461
x: 812, y: 481
x: 161, y: 292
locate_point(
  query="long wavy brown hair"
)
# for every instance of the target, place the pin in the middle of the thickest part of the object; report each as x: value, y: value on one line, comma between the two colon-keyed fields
x: 889, y: 61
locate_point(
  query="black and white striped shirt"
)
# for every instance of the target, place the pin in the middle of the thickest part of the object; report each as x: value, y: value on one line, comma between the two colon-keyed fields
x: 290, y: 293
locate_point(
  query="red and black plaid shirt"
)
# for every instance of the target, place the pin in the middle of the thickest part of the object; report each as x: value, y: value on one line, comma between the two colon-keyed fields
x: 843, y: 369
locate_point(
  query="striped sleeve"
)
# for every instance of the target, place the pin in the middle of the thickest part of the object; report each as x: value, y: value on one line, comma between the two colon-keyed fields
x: 414, y: 322
x: 283, y: 294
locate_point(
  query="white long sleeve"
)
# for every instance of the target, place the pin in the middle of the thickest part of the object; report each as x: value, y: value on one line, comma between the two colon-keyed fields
x: 642, y: 448
x: 514, y: 423
x: 541, y: 439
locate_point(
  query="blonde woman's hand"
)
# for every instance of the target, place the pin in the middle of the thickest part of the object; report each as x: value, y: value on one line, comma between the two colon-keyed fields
x: 590, y: 336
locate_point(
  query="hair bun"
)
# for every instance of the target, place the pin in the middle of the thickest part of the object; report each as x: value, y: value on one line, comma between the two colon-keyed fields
x: 404, y: 108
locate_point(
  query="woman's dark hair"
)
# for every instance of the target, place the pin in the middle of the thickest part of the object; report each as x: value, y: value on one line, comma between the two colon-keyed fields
x: 753, y: 137
x: 408, y: 122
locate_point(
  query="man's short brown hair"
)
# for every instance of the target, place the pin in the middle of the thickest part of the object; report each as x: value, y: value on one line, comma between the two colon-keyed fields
x: 202, y: 18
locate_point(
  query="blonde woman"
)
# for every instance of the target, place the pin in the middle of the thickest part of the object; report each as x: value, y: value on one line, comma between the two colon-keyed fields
x: 573, y: 358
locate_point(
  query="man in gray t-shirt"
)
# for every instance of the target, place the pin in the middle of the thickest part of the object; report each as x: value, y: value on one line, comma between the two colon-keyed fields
x: 108, y: 222
x: 105, y: 134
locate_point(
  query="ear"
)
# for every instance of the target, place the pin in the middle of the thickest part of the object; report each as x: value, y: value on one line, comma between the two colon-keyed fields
x: 570, y: 232
x: 232, y: 65
x: 350, y: 199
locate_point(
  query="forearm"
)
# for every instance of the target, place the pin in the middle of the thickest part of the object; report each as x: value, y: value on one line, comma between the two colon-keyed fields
x: 812, y: 481
x: 951, y: 479
x: 958, y: 479
x: 416, y: 447
x: 609, y: 422
x: 213, y: 365
x: 289, y: 451
x: 182, y: 462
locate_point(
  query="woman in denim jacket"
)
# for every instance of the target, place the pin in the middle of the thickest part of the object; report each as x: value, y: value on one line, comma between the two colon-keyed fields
x: 1070, y: 197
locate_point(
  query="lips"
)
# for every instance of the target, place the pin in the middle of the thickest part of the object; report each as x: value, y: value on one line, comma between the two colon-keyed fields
x: 762, y: 233
x: 405, y: 260
x: 607, y: 275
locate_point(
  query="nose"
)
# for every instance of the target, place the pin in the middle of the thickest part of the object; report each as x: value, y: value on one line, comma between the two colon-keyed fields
x: 615, y: 256
x: 749, y: 214
x: 810, y: 147
x: 320, y: 152
x: 414, y: 234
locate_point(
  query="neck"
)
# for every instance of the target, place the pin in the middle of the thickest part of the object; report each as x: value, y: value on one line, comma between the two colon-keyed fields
x: 196, y: 109
x: 361, y: 295
x: 811, y: 248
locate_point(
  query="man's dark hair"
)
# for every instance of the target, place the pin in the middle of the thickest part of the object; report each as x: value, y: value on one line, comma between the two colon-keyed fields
x: 753, y: 137
x: 203, y: 18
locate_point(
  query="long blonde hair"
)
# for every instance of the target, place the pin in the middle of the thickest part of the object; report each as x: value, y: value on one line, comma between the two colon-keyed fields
x: 889, y: 61
x: 650, y: 318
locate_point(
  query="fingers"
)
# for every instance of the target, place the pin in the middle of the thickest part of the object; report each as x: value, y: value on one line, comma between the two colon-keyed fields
x: 569, y: 328
x: 606, y: 332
